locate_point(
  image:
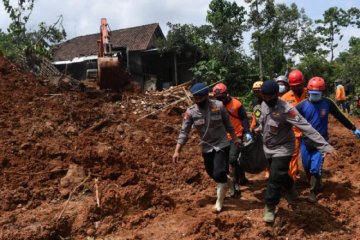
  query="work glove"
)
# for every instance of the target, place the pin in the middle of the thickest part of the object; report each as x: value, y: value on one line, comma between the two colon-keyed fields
x: 248, y: 137
x: 357, y: 133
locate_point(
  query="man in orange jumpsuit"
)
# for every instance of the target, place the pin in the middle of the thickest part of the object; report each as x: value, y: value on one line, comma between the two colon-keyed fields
x: 296, y: 94
x: 340, y: 95
x: 239, y: 120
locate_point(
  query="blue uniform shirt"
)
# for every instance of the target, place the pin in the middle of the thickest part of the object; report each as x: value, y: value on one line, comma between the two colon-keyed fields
x: 316, y: 113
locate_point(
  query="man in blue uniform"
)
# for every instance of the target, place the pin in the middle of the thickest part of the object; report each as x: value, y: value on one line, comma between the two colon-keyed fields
x: 315, y: 110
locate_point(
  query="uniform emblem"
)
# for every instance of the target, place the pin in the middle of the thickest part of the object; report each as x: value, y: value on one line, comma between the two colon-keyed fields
x: 293, y: 115
x: 323, y: 112
x: 186, y: 116
x: 200, y: 121
x: 257, y: 113
x: 275, y: 114
x: 214, y: 109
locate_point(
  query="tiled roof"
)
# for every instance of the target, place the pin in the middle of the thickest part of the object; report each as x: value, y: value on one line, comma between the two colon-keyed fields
x: 135, y: 39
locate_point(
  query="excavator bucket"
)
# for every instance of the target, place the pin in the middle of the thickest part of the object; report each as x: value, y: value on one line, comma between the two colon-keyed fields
x: 110, y: 74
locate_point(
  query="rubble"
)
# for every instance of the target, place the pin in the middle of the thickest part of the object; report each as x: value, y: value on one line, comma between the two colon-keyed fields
x: 140, y: 193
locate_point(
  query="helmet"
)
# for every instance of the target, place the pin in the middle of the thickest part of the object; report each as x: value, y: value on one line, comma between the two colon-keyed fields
x: 316, y: 84
x: 282, y: 78
x: 219, y: 89
x: 296, y: 78
x: 257, y: 85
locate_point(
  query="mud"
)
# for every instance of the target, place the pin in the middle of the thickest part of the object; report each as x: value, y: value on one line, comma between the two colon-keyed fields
x: 54, y: 144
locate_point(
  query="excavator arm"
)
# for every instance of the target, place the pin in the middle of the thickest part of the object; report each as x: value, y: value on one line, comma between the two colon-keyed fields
x: 110, y: 73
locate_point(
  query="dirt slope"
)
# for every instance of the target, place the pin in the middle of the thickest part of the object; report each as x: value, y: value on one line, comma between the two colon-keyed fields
x: 55, y: 144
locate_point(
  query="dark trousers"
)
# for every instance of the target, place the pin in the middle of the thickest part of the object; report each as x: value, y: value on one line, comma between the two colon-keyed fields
x: 216, y: 164
x: 279, y: 178
x: 238, y: 172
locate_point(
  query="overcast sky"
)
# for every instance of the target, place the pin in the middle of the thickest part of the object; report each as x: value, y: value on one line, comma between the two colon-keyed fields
x: 82, y: 17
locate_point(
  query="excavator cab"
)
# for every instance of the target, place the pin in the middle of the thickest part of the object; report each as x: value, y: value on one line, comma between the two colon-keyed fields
x: 111, y: 73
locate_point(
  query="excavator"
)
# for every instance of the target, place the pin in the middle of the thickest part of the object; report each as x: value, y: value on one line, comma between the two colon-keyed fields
x: 111, y: 73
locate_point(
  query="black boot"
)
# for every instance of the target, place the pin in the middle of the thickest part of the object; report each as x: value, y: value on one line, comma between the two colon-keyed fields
x: 314, y: 184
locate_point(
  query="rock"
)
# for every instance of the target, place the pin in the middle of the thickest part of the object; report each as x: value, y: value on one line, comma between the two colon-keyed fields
x: 120, y: 129
x: 90, y: 232
x: 74, y: 176
x: 71, y: 130
x: 103, y: 149
x: 49, y: 125
x: 25, y: 146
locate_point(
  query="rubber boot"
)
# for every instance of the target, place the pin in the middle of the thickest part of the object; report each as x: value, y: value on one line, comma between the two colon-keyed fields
x: 314, y: 183
x: 291, y: 194
x: 320, y: 185
x: 269, y: 213
x: 231, y: 186
x: 221, y: 190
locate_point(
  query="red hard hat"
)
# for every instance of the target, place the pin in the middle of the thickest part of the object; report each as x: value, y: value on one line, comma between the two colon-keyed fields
x: 219, y: 89
x: 316, y: 84
x: 296, y: 78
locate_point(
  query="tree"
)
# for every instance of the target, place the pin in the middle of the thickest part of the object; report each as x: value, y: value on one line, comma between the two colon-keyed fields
x: 330, y: 27
x: 349, y: 61
x: 256, y: 20
x: 29, y: 44
x: 307, y: 42
x: 276, y: 31
x: 223, y: 59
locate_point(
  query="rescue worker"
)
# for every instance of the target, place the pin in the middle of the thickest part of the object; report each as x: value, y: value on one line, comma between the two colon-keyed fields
x: 276, y: 122
x: 340, y: 95
x: 283, y: 83
x: 316, y: 110
x: 296, y: 94
x: 256, y: 88
x: 240, y: 121
x: 350, y: 96
x: 212, y: 123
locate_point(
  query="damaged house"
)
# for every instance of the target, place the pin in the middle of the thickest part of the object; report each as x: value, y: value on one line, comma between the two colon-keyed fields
x: 142, y: 60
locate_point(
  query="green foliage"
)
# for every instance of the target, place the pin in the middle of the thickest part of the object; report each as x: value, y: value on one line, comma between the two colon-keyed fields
x: 21, y: 43
x: 281, y: 33
x: 210, y: 71
x: 182, y: 38
x: 330, y: 27
x: 349, y: 62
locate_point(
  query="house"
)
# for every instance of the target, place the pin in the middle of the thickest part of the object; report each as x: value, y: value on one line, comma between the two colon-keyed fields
x: 142, y: 59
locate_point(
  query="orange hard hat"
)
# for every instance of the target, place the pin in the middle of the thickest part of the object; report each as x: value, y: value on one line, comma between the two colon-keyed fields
x: 316, y: 84
x: 219, y: 88
x: 296, y: 77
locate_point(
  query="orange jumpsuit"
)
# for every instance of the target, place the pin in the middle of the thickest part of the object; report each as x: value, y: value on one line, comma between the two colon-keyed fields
x: 340, y: 93
x: 233, y: 109
x: 294, y: 100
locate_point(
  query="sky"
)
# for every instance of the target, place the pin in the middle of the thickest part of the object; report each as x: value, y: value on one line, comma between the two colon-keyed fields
x: 82, y: 17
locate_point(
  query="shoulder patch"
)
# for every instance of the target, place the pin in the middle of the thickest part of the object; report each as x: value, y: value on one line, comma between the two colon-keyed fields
x: 186, y: 115
x: 257, y: 113
x: 294, y: 115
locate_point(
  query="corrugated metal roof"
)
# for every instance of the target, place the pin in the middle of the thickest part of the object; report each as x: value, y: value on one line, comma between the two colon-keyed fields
x: 135, y: 39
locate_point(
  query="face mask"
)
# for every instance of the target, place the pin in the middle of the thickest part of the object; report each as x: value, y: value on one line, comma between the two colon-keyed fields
x: 282, y: 88
x: 271, y: 103
x: 298, y: 91
x: 315, y: 97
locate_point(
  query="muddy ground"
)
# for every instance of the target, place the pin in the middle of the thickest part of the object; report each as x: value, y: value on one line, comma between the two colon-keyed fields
x: 55, y: 144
